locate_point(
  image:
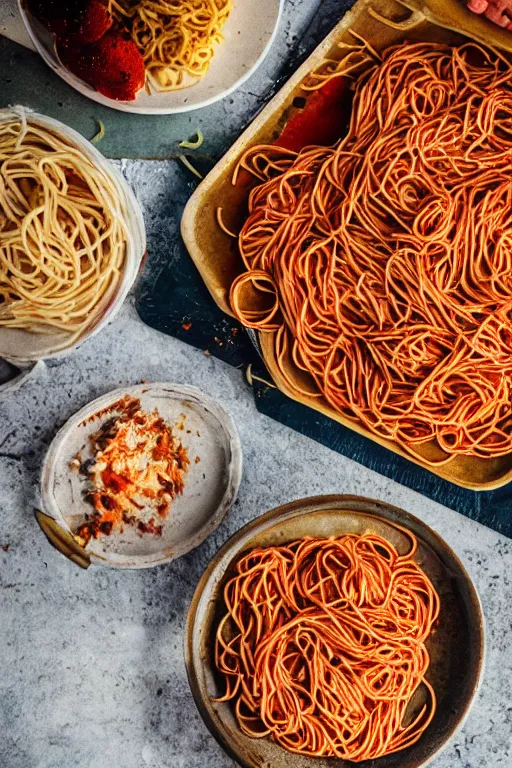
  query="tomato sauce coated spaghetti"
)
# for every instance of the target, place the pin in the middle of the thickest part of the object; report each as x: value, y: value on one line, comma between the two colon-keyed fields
x: 384, y: 264
x: 323, y: 646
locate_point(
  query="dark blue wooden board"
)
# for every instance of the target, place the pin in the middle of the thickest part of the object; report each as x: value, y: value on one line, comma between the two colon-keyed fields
x: 177, y: 302
x: 179, y: 298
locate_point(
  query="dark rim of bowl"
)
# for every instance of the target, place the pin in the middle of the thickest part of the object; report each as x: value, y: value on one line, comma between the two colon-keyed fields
x: 315, y: 504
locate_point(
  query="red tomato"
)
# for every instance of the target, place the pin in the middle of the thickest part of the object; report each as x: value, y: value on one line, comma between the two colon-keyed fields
x: 321, y: 121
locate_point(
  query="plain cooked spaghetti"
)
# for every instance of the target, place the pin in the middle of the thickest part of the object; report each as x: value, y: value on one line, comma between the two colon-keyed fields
x: 323, y: 646
x: 176, y: 38
x: 62, y: 231
x: 385, y: 263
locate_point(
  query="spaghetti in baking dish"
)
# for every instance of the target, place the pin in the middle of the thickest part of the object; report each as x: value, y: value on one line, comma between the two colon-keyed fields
x: 382, y: 264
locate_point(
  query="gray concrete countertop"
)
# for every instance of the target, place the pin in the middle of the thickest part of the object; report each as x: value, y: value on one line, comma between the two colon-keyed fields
x: 92, y: 672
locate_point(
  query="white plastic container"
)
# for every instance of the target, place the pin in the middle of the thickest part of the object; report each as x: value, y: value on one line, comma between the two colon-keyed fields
x: 23, y: 347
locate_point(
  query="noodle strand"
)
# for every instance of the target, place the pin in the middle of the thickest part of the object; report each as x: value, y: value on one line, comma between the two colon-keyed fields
x: 390, y: 254
x: 323, y: 646
x: 176, y: 38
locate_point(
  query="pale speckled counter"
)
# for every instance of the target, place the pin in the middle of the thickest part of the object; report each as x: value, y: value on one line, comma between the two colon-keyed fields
x: 92, y: 672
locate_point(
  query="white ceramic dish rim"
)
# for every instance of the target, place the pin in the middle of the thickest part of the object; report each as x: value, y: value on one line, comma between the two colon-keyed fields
x: 127, y: 106
x: 115, y: 560
x: 134, y: 220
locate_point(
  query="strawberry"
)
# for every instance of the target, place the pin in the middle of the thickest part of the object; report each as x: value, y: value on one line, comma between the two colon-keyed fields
x: 84, y: 22
x: 112, y: 65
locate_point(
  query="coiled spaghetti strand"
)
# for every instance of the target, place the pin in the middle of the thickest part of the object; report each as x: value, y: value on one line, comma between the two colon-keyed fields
x: 323, y: 646
x: 176, y: 38
x: 388, y: 256
x: 62, y: 232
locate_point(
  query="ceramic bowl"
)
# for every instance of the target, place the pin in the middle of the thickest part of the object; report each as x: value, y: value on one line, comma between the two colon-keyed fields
x: 248, y: 35
x: 24, y: 347
x: 211, y: 481
x: 456, y: 648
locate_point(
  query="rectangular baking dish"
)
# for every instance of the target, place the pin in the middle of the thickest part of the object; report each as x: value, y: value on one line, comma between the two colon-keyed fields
x: 382, y: 23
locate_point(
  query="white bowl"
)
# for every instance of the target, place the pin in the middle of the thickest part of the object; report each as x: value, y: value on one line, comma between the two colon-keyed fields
x: 12, y: 378
x: 211, y: 484
x: 20, y: 346
x: 248, y: 35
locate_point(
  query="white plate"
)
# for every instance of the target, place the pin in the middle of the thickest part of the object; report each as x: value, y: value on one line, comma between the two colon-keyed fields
x: 248, y: 35
x: 21, y: 346
x: 211, y: 485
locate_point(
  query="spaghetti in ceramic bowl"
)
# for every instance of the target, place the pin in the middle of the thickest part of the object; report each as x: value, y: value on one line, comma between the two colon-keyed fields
x: 331, y: 629
x: 153, y: 56
x: 71, y: 237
